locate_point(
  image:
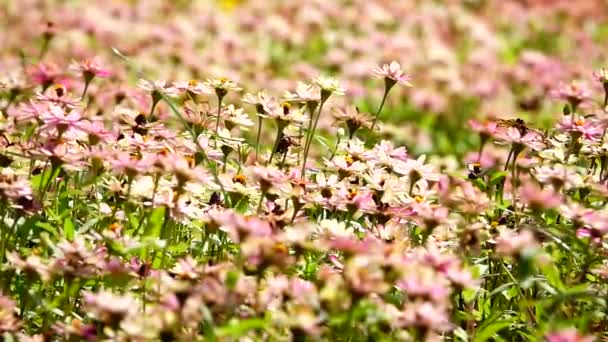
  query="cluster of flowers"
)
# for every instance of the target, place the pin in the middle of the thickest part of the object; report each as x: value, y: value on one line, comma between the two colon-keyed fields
x: 176, y: 210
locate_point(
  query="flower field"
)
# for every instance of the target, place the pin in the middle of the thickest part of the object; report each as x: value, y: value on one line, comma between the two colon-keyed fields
x: 312, y: 170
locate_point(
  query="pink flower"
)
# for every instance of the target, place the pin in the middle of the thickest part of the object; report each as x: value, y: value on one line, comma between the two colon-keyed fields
x: 57, y: 118
x: 46, y: 74
x: 579, y: 125
x: 567, y: 335
x: 513, y: 243
x: 486, y: 128
x: 159, y: 87
x: 193, y: 87
x: 516, y: 137
x: 90, y: 68
x: 392, y: 73
x: 538, y: 199
x: 574, y: 92
x: 601, y: 75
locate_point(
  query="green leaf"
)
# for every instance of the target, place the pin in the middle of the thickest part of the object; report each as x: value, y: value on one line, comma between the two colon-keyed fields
x: 69, y: 228
x: 489, y: 331
x: 239, y: 328
x: 553, y: 277
x: 155, y: 224
x: 498, y: 177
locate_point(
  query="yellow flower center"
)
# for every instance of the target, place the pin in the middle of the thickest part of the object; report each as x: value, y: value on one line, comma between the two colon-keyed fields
x: 349, y: 160
x: 579, y: 122
x: 193, y: 83
x: 418, y: 199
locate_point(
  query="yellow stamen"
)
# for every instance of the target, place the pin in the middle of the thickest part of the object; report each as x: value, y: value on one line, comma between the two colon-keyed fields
x: 349, y: 160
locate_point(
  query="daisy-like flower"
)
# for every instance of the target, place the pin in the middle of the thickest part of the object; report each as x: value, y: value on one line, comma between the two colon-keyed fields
x: 579, y: 126
x: 59, y: 95
x: 511, y: 243
x: 485, y: 129
x: 222, y: 86
x: 601, y: 75
x: 109, y: 308
x: 392, y: 74
x: 192, y: 87
x: 328, y: 86
x: 46, y: 74
x: 158, y: 89
x: 236, y: 117
x: 574, y: 92
x: 285, y: 115
x: 57, y: 118
x: 90, y: 68
x: 538, y: 199
x: 416, y: 170
x: 352, y: 118
x: 519, y: 139
x: 559, y: 176
x: 262, y: 102
x: 304, y: 93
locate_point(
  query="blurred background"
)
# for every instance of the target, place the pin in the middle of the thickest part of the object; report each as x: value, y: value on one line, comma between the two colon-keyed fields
x: 468, y: 58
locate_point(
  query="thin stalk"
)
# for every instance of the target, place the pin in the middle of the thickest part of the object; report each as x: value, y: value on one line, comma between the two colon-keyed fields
x: 219, y: 112
x: 514, y: 183
x: 257, y: 140
x: 84, y: 91
x: 386, y: 90
x: 310, y: 137
x: 338, y: 140
x: 311, y: 111
x: 276, y: 143
x: 198, y: 145
x: 260, y: 202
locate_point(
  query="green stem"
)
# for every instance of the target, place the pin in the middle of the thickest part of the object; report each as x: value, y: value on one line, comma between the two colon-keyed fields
x: 84, y: 91
x: 386, y: 90
x: 310, y: 137
x: 257, y: 140
x: 276, y: 143
x: 217, y: 120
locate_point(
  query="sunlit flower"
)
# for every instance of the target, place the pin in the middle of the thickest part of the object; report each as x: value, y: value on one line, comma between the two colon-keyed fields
x: 392, y: 73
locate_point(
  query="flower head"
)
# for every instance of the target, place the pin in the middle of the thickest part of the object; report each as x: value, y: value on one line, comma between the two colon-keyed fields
x: 392, y: 74
x: 328, y: 86
x: 90, y: 68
